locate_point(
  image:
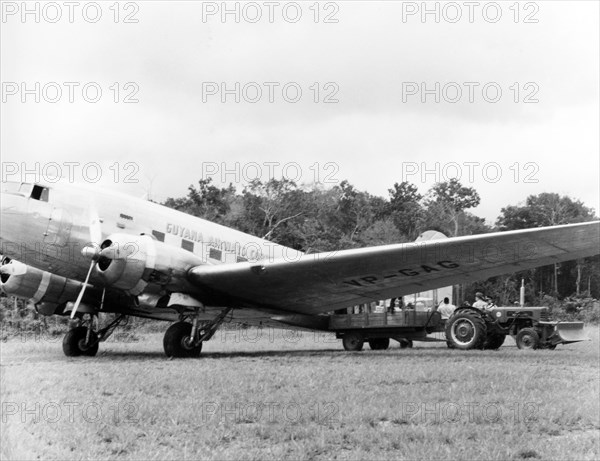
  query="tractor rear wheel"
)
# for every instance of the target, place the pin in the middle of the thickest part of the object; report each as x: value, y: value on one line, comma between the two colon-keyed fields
x: 528, y: 338
x: 466, y: 330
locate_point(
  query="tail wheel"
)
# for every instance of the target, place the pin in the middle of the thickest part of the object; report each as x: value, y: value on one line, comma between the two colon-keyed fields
x: 379, y: 344
x: 466, y: 330
x: 353, y: 342
x: 177, y: 341
x: 528, y: 338
x: 75, y: 344
x: 494, y: 341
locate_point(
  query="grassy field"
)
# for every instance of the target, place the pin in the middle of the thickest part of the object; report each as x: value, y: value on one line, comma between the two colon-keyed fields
x: 274, y: 396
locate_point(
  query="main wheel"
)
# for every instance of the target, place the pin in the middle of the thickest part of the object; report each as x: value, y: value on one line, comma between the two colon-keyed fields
x: 528, y: 338
x: 176, y: 341
x: 379, y: 344
x: 466, y: 330
x: 353, y: 342
x: 494, y: 341
x: 74, y: 343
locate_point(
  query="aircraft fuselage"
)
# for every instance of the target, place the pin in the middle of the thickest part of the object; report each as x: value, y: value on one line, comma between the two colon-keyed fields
x: 48, y: 228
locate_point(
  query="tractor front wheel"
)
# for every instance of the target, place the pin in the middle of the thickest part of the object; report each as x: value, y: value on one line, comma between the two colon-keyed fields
x: 528, y: 338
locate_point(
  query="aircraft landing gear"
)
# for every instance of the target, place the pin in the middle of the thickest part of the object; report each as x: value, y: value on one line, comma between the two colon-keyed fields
x: 184, y: 339
x: 76, y: 342
x: 177, y: 341
x: 83, y: 340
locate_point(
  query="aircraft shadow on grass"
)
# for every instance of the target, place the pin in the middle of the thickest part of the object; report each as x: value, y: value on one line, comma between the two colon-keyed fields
x: 392, y: 354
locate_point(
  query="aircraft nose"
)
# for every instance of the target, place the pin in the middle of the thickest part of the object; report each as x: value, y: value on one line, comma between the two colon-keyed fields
x: 11, y: 204
x: 12, y: 214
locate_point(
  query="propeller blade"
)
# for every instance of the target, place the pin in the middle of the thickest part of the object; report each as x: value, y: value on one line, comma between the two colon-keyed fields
x: 91, y: 252
x: 85, y: 284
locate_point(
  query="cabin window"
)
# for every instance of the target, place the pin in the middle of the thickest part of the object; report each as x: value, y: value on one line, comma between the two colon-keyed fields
x: 40, y: 193
x: 187, y: 245
x: 160, y: 236
x: 26, y: 189
x: 213, y: 253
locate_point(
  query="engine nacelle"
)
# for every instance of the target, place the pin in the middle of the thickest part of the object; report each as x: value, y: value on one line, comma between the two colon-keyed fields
x: 131, y: 262
x: 23, y: 281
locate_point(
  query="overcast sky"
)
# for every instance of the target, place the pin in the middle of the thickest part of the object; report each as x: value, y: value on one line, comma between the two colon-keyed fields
x: 517, y: 110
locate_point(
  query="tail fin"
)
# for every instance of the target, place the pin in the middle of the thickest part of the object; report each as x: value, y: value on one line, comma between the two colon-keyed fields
x: 430, y: 235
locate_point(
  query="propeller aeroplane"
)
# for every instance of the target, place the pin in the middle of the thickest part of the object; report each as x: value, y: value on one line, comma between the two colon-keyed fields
x: 78, y: 251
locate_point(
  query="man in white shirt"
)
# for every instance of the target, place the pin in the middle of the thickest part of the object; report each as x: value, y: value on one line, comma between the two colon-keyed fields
x: 446, y: 309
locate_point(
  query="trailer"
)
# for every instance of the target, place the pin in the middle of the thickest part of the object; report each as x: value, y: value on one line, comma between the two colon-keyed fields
x: 378, y: 328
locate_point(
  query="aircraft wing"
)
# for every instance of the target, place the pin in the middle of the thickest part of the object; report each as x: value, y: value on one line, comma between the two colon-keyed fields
x: 322, y: 282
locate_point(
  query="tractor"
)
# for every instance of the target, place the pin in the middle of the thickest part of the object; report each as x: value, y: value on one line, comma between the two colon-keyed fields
x: 473, y: 328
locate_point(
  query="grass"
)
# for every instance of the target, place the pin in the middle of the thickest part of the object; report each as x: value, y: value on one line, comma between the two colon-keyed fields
x: 299, y: 397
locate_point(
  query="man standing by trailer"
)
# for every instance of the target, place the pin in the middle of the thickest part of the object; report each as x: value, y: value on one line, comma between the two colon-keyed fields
x: 446, y: 309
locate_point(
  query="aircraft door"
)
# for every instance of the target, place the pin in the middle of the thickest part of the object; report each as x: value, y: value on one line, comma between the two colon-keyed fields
x: 59, y: 227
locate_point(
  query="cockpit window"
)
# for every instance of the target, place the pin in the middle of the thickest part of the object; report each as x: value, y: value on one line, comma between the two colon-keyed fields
x: 39, y: 193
